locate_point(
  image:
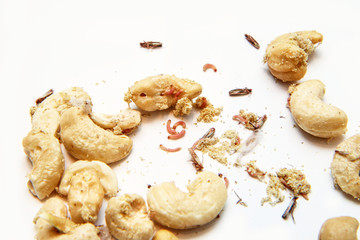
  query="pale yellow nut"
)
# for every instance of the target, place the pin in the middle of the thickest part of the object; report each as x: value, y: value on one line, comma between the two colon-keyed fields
x: 83, y: 139
x: 127, y: 218
x: 312, y: 114
x: 51, y: 224
x: 173, y: 208
x: 41, y: 144
x: 85, y: 183
x: 345, y: 166
x: 164, y: 234
x: 287, y: 54
x: 161, y: 92
x: 339, y: 228
x: 125, y: 122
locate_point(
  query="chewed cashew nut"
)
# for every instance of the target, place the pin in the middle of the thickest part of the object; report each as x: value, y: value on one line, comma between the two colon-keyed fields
x: 85, y: 183
x: 345, y: 167
x: 287, y: 54
x: 125, y: 122
x: 173, y: 208
x: 83, y: 139
x: 51, y: 224
x: 312, y: 114
x: 127, y: 218
x: 339, y: 228
x: 161, y: 92
x: 164, y: 234
x: 41, y: 144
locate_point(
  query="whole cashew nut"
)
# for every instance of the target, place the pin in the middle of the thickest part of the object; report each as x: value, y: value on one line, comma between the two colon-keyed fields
x: 312, y: 114
x: 161, y: 92
x: 41, y: 144
x: 345, y: 166
x: 85, y: 183
x: 51, y: 224
x: 287, y: 54
x: 127, y: 218
x: 339, y: 228
x: 83, y: 139
x: 173, y: 208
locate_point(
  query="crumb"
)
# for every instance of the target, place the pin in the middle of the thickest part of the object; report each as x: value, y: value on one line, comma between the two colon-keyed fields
x: 294, y: 180
x: 273, y: 191
x: 254, y: 171
x: 208, y: 112
x: 183, y: 107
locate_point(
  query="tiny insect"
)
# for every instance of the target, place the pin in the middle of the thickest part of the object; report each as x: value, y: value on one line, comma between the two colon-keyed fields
x: 252, y: 41
x: 240, y: 92
x: 150, y: 44
x: 290, y: 209
x: 44, y: 96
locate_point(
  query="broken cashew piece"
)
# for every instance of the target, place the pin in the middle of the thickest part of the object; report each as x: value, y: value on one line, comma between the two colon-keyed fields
x: 85, y: 183
x: 85, y: 140
x: 173, y: 208
x: 339, y: 228
x: 161, y: 92
x: 127, y: 218
x: 345, y: 166
x: 312, y: 114
x: 287, y: 54
x: 164, y: 234
x: 51, y: 223
x: 125, y: 122
x: 41, y: 144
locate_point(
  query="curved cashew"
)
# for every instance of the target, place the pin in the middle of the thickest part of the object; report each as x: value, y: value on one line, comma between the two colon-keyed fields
x: 125, y: 122
x: 85, y: 183
x: 345, y: 166
x: 164, y: 234
x: 173, y: 208
x: 127, y: 218
x: 83, y: 139
x: 287, y: 54
x: 161, y: 92
x: 339, y: 228
x: 51, y: 224
x: 312, y: 114
x: 41, y: 144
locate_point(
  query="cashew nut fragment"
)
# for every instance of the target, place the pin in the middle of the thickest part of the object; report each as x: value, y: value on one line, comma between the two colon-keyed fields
x: 41, y: 144
x: 125, y: 122
x: 161, y: 92
x: 287, y: 54
x: 164, y: 234
x: 312, y: 114
x: 51, y: 224
x: 339, y: 228
x: 85, y: 183
x: 345, y: 167
x: 83, y: 139
x: 173, y: 208
x: 127, y: 218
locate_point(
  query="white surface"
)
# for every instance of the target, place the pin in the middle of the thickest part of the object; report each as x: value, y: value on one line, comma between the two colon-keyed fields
x: 95, y: 45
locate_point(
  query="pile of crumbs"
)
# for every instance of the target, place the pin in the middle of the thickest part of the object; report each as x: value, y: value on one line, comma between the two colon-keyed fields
x: 208, y: 112
x: 251, y: 119
x: 183, y: 107
x: 273, y: 191
x: 219, y: 148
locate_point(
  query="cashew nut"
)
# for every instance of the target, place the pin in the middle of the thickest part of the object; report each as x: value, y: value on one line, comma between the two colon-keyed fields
x: 345, y: 167
x: 161, y: 92
x: 51, y: 224
x: 312, y: 114
x: 127, y: 218
x: 287, y: 54
x: 339, y: 228
x: 164, y: 234
x: 85, y: 183
x: 83, y: 139
x: 125, y: 122
x: 41, y: 144
x: 173, y: 208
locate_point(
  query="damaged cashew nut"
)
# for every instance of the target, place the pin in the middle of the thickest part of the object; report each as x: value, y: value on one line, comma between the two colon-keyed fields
x: 127, y: 218
x: 85, y: 183
x: 312, y: 114
x: 171, y: 207
x: 161, y: 92
x: 287, y: 54
x: 339, y: 228
x: 345, y: 167
x: 85, y: 140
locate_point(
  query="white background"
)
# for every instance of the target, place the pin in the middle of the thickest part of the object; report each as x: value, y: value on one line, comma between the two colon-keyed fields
x: 95, y: 45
